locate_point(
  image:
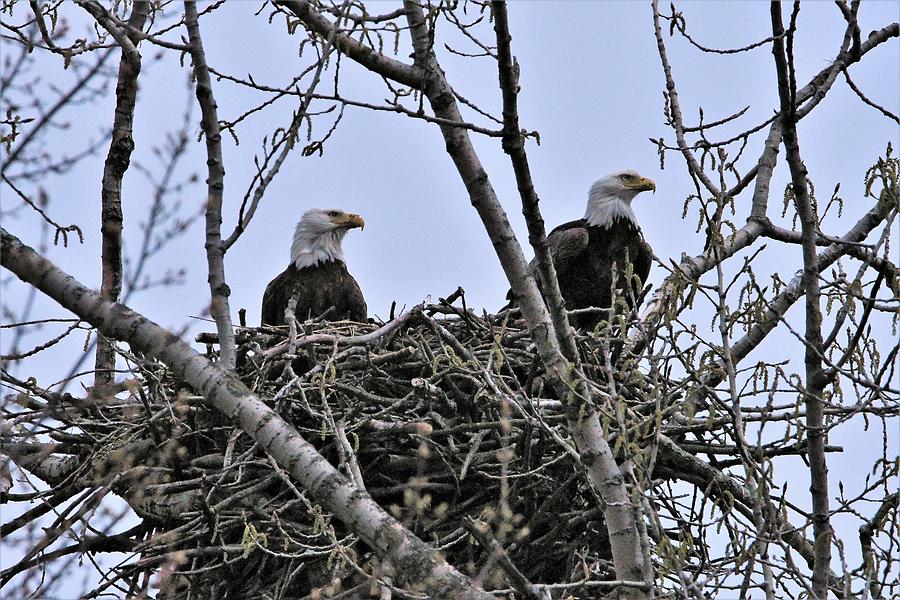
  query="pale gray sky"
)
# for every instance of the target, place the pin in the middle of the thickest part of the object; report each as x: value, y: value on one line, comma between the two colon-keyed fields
x: 591, y: 84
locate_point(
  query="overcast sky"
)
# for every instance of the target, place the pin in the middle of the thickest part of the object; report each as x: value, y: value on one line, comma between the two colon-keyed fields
x: 591, y: 85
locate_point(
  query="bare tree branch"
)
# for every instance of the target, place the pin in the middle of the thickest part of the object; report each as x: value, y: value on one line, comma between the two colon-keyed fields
x: 866, y: 100
x: 514, y: 146
x: 47, y: 119
x: 117, y: 161
x: 288, y: 142
x: 786, y: 298
x: 692, y: 267
x: 402, y: 73
x: 215, y: 249
x: 815, y: 377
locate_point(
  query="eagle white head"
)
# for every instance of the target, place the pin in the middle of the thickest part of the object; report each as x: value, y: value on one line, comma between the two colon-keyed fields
x: 610, y: 198
x: 318, y: 236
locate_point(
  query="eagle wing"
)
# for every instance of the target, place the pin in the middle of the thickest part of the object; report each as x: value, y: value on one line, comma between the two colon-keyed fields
x: 354, y: 303
x: 642, y: 263
x: 566, y: 243
x: 276, y: 297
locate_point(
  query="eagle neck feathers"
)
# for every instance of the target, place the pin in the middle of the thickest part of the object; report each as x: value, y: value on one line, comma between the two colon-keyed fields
x: 312, y: 248
x: 604, y: 209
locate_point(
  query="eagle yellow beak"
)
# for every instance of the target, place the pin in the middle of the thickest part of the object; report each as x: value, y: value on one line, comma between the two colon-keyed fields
x: 351, y: 221
x: 643, y: 184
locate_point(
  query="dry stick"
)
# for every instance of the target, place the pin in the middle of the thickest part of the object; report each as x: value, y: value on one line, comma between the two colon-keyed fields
x: 866, y: 100
x: 61, y: 231
x: 413, y: 558
x: 215, y: 251
x: 582, y: 418
x: 815, y: 376
x: 41, y: 347
x: 117, y: 162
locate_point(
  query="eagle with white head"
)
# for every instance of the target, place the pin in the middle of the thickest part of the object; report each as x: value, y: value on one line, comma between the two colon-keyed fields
x: 317, y: 274
x: 593, y: 256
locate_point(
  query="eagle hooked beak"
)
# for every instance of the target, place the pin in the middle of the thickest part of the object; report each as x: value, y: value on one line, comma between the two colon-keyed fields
x: 351, y: 221
x: 643, y: 184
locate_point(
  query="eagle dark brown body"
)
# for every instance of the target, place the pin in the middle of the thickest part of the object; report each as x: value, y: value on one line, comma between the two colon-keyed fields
x: 585, y: 257
x: 318, y: 288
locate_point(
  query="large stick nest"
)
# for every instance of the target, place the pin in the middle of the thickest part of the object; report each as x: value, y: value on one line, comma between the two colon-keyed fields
x: 445, y: 419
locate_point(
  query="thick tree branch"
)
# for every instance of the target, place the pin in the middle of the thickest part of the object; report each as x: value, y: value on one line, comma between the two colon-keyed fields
x: 376, y: 62
x: 815, y: 377
x: 215, y: 249
x: 514, y: 146
x: 117, y: 161
x: 109, y: 23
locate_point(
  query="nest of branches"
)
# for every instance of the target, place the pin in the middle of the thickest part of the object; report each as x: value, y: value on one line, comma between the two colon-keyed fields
x: 441, y: 415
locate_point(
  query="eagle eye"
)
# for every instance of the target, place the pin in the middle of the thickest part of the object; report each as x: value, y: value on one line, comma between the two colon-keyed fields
x: 625, y: 177
x: 333, y: 213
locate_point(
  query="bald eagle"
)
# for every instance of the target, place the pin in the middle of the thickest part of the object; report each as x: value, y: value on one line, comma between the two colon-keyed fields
x: 317, y: 274
x: 585, y: 252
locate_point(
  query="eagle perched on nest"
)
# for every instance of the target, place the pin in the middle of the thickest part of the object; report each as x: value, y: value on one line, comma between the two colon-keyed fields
x: 317, y: 274
x: 608, y: 239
